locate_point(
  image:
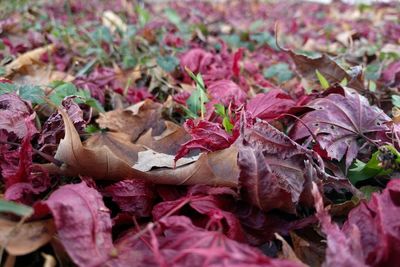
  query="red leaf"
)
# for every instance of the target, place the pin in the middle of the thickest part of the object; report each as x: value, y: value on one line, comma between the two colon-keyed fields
x: 271, y: 105
x: 212, y: 202
x: 13, y: 112
x: 343, y: 249
x: 271, y: 168
x: 187, y: 245
x: 132, y: 196
x: 236, y: 58
x: 226, y: 92
x: 206, y: 135
x: 83, y: 223
x: 378, y: 222
x: 338, y: 121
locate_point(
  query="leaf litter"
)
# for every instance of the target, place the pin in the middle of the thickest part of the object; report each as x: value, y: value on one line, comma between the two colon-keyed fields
x: 183, y: 134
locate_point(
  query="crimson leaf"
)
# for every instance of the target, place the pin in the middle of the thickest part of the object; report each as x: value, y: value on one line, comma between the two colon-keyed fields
x: 339, y: 121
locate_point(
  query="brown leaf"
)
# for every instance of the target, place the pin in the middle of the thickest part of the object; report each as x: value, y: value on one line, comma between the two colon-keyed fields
x: 308, y: 248
x: 27, y: 237
x: 333, y: 73
x: 28, y: 69
x: 29, y: 58
x: 39, y: 75
x: 168, y: 142
x: 287, y: 252
x: 100, y: 162
x: 133, y: 120
x: 118, y: 143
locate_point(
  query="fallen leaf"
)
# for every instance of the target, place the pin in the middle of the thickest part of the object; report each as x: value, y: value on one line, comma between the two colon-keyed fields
x: 329, y: 69
x: 26, y: 238
x: 29, y: 58
x: 133, y: 120
x: 270, y: 106
x: 339, y: 121
x: 99, y: 162
x: 271, y: 168
x: 168, y: 142
x: 83, y: 223
x: 287, y: 252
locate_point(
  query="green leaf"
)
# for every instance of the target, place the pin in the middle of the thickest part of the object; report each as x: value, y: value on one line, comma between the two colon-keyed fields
x: 34, y: 94
x: 143, y: 15
x: 368, y: 190
x: 361, y: 171
x: 102, y: 33
x: 172, y: 16
x: 168, y: 63
x: 198, y: 98
x: 220, y: 109
x: 280, y: 71
x: 344, y: 82
x: 322, y: 80
x: 91, y: 128
x: 16, y: 208
x: 129, y: 61
x: 396, y: 100
x: 373, y: 72
x: 7, y: 88
x: 227, y: 125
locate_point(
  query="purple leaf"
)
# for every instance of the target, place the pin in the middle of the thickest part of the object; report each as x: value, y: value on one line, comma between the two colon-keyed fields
x: 271, y: 168
x: 270, y: 105
x: 83, y: 223
x: 339, y: 121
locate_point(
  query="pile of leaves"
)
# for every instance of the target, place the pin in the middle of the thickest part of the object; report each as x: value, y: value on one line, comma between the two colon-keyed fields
x: 193, y: 133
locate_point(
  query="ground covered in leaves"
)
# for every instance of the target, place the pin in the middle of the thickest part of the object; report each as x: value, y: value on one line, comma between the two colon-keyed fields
x: 192, y: 133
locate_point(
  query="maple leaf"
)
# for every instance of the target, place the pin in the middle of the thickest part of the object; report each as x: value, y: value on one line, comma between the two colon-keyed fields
x: 206, y: 135
x: 226, y: 92
x: 270, y: 105
x: 338, y: 122
x: 211, y: 202
x: 271, y: 167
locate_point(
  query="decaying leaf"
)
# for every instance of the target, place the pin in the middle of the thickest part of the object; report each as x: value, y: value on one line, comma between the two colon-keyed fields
x: 168, y: 142
x: 25, y: 238
x: 100, y: 162
x: 29, y: 58
x: 328, y: 68
x: 133, y: 120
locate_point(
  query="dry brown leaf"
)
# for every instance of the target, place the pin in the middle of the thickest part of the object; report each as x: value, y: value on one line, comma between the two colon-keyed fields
x: 287, y: 252
x: 118, y: 143
x: 133, y: 120
x: 27, y: 237
x: 29, y: 58
x: 308, y: 248
x: 168, y: 142
x: 39, y: 75
x: 100, y: 162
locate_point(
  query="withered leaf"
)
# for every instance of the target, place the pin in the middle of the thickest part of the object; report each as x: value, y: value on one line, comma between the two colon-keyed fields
x: 27, y: 237
x: 100, y: 162
x: 168, y: 142
x: 332, y: 72
x: 133, y: 120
